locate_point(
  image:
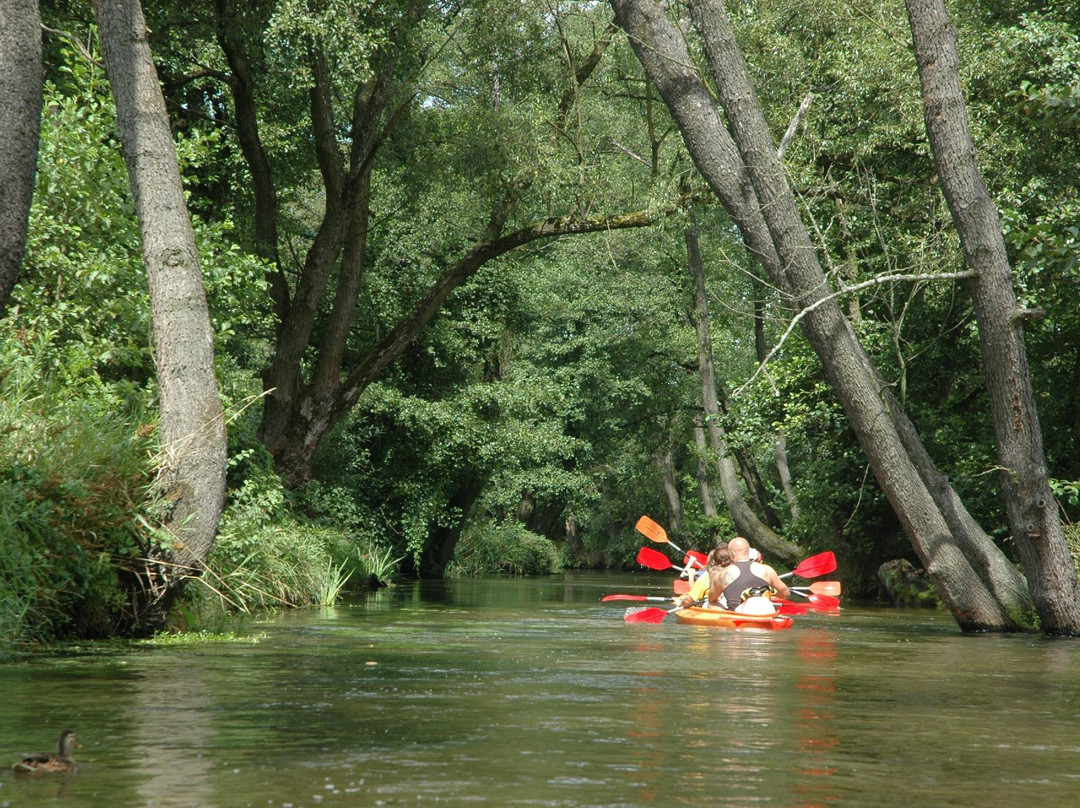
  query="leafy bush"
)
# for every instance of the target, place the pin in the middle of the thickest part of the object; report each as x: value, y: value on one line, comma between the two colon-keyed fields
x: 74, y: 469
x: 507, y: 548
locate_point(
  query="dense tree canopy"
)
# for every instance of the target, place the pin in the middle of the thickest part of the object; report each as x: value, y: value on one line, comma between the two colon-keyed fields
x: 343, y: 159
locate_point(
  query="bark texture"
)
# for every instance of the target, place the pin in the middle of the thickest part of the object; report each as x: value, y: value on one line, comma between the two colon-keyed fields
x: 192, y: 466
x: 1033, y: 513
x: 21, y: 77
x: 743, y: 174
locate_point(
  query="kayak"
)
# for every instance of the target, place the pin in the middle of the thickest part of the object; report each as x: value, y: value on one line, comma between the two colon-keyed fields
x: 721, y: 618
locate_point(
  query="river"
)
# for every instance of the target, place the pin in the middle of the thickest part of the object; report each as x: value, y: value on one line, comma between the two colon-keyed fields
x: 532, y: 692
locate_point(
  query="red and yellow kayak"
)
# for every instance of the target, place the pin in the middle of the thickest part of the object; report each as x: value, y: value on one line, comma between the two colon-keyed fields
x: 721, y: 618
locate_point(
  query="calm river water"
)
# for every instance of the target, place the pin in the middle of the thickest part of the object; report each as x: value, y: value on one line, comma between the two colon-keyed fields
x: 532, y: 692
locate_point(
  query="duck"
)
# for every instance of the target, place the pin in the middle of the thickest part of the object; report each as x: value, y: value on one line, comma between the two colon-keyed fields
x: 48, y: 763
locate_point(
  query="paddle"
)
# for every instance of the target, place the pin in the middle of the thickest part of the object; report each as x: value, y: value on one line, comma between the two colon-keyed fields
x: 682, y: 586
x: 821, y: 603
x: 654, y: 615
x: 790, y: 607
x: 631, y: 597
x: 653, y: 532
x: 820, y: 588
x: 654, y: 560
x: 814, y: 566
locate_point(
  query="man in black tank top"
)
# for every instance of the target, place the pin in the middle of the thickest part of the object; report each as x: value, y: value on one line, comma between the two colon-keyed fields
x: 746, y: 576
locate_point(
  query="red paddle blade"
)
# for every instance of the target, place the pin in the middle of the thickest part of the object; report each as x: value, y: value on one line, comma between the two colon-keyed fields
x: 646, y: 616
x: 693, y: 557
x: 824, y: 603
x: 817, y: 565
x: 651, y: 530
x: 606, y: 598
x: 652, y: 559
x: 682, y: 586
x: 790, y: 607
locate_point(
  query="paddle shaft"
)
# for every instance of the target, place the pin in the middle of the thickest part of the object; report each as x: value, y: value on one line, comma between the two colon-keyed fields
x: 607, y: 598
x: 821, y: 588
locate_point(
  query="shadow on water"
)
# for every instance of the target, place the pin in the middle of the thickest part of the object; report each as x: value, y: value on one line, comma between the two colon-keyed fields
x: 533, y: 692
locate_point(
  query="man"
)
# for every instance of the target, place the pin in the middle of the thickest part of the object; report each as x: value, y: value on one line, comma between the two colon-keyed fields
x: 746, y: 586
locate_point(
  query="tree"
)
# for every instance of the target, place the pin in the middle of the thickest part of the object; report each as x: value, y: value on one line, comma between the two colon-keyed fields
x: 1033, y: 512
x: 21, y: 77
x: 743, y: 169
x: 319, y: 312
x: 192, y: 465
x: 746, y: 521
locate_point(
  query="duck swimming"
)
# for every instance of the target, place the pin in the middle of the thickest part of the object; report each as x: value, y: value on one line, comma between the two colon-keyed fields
x: 46, y: 763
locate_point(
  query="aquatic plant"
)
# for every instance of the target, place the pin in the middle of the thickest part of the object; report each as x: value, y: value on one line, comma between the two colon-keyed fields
x: 379, y: 562
x: 333, y: 582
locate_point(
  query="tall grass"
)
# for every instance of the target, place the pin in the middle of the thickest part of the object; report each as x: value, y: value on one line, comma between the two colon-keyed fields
x: 74, y: 467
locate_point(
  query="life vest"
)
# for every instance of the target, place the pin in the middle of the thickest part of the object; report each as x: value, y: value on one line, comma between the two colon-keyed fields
x: 744, y: 585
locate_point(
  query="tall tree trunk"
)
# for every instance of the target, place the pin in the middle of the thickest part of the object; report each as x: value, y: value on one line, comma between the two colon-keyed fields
x: 847, y: 366
x: 192, y: 474
x: 21, y: 77
x: 708, y: 504
x: 670, y: 484
x: 782, y: 468
x: 1033, y: 513
x: 989, y: 596
x: 232, y: 30
x: 746, y: 521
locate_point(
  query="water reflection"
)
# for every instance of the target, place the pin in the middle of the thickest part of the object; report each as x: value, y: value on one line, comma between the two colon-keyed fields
x: 813, y: 723
x: 172, y: 737
x: 535, y: 693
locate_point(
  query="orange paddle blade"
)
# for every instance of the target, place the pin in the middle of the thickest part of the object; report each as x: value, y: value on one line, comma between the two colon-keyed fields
x: 825, y: 588
x: 651, y: 530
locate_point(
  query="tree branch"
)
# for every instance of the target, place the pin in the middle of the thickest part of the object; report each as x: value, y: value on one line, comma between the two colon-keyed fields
x: 930, y: 276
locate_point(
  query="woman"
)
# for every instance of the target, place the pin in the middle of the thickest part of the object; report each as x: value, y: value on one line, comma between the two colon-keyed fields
x: 719, y: 558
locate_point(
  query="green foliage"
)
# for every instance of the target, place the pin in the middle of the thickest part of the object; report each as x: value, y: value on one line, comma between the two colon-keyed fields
x: 73, y: 472
x: 379, y: 563
x: 83, y: 281
x: 508, y: 548
x: 535, y: 407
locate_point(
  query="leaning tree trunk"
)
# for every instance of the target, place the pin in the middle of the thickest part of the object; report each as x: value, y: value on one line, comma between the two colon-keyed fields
x: 746, y: 521
x: 192, y: 472
x: 846, y: 365
x: 21, y: 79
x: 1033, y: 513
x: 988, y: 596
